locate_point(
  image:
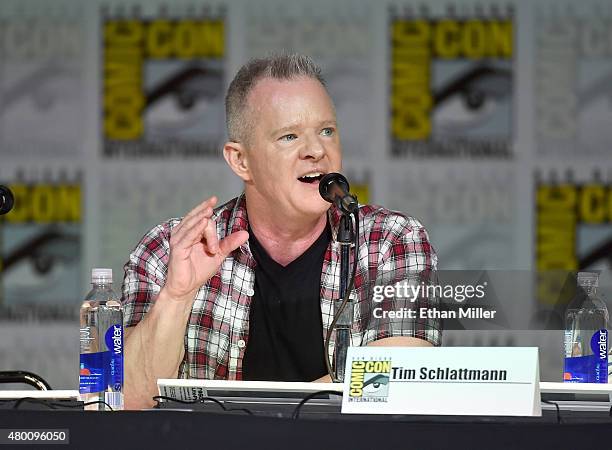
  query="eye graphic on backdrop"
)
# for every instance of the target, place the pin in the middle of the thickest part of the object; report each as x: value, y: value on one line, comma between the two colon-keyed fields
x: 378, y: 383
x: 601, y: 254
x: 39, y: 108
x: 41, y: 259
x: 41, y: 89
x: 182, y: 99
x: 471, y: 99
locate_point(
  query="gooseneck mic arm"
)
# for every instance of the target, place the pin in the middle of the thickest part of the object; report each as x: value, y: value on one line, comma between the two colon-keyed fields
x: 6, y: 200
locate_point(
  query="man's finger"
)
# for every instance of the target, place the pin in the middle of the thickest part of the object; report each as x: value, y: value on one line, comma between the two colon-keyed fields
x: 210, y: 237
x: 209, y: 202
x: 193, y: 234
x: 188, y: 223
x: 232, y: 242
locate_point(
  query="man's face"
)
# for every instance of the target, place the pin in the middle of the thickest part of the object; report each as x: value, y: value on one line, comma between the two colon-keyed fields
x: 293, y: 142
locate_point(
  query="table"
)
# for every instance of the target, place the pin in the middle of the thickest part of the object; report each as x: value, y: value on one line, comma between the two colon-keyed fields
x: 210, y: 430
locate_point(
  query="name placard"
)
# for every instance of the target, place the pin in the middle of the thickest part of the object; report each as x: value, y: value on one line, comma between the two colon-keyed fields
x: 483, y: 381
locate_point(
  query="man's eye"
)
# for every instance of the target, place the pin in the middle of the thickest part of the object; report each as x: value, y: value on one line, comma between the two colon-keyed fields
x: 327, y: 131
x: 289, y: 137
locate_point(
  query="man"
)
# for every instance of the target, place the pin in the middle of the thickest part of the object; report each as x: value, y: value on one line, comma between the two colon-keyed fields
x: 245, y: 291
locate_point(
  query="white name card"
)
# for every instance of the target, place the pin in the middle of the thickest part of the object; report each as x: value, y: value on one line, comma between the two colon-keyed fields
x: 483, y: 381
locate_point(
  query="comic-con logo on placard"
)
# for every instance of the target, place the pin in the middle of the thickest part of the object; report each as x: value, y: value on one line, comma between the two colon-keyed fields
x: 369, y: 380
x: 451, y: 84
x: 162, y: 85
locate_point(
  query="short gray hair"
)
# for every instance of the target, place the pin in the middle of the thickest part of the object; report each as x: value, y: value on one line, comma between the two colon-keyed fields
x: 280, y: 67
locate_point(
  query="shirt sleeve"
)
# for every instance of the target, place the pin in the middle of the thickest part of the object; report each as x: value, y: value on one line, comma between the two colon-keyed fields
x: 407, y: 263
x: 145, y: 274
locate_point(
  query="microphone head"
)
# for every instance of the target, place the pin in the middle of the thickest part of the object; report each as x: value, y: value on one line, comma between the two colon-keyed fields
x: 6, y: 200
x: 327, y: 181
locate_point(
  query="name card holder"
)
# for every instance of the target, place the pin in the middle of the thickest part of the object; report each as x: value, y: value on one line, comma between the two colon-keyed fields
x: 482, y: 381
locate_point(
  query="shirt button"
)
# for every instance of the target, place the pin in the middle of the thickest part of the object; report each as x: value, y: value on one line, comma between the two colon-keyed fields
x: 250, y: 292
x: 241, y: 344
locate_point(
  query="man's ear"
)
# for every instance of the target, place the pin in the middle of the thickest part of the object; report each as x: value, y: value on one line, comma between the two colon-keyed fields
x: 236, y: 156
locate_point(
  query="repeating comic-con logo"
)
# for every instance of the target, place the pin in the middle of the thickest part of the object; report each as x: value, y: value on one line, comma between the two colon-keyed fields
x: 573, y: 79
x: 470, y: 212
x: 338, y: 36
x: 42, y: 69
x: 573, y: 232
x: 369, y: 380
x: 163, y: 83
x: 40, y: 245
x: 451, y: 81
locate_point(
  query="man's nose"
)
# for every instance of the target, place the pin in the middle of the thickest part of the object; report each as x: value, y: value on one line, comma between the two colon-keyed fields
x: 313, y: 149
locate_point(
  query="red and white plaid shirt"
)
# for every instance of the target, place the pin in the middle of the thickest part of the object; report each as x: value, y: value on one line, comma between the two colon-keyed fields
x: 392, y: 248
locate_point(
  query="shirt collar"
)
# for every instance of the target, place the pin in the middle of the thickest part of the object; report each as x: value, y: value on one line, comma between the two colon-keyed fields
x: 239, y: 220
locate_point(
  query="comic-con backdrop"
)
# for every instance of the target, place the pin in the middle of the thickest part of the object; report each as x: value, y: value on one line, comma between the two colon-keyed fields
x: 490, y: 121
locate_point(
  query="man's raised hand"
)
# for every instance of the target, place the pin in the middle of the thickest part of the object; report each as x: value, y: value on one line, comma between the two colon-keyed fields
x: 195, y: 251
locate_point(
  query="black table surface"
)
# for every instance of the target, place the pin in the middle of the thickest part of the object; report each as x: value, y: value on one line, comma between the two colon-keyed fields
x: 166, y: 428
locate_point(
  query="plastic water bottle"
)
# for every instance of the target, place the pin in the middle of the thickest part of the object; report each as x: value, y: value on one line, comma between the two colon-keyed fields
x: 586, y: 334
x: 101, y: 343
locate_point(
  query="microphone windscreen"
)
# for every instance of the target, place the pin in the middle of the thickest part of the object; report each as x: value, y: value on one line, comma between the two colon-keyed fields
x: 328, y: 181
x: 6, y: 200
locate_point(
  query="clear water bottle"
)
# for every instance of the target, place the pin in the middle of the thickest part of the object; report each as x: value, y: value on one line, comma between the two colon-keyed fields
x: 586, y: 334
x: 101, y: 344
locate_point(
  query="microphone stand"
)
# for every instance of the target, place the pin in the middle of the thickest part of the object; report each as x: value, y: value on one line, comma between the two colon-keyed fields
x: 334, y: 188
x: 343, y: 311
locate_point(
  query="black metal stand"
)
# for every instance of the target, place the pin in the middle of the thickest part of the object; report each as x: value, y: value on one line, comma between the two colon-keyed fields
x: 344, y: 313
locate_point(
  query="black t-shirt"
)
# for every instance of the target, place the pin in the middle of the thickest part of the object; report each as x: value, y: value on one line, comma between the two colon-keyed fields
x: 286, y: 331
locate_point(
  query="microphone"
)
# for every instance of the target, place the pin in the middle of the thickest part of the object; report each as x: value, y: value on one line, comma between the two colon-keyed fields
x: 6, y: 200
x: 334, y: 188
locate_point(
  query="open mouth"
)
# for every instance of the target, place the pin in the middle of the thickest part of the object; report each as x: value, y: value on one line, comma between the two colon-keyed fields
x: 311, y: 178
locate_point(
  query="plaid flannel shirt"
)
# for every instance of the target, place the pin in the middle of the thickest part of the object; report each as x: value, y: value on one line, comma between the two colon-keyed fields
x: 391, y: 247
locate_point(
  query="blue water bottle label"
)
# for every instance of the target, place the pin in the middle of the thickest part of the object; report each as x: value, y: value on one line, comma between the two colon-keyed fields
x: 91, y: 373
x: 114, y: 357
x: 599, y: 346
x: 591, y: 368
